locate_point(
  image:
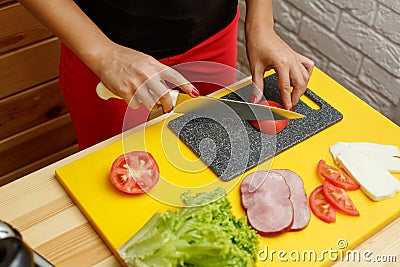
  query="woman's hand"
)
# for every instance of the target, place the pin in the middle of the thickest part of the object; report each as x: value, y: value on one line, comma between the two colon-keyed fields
x: 267, y: 51
x: 138, y: 78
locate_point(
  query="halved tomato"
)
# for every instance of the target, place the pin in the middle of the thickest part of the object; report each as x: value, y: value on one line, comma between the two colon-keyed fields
x: 339, y: 199
x: 270, y: 126
x: 134, y: 172
x: 321, y: 207
x: 336, y: 177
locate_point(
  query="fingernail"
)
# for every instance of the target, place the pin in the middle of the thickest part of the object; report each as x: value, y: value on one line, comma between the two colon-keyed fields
x: 195, y: 92
x: 253, y: 99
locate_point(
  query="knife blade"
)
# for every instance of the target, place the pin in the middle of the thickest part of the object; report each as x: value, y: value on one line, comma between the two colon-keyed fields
x: 220, y: 107
x: 217, y: 107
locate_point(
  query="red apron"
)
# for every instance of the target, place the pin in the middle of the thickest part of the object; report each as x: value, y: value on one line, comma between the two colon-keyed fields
x: 95, y: 119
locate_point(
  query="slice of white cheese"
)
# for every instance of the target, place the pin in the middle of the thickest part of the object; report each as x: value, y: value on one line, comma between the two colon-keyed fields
x: 388, y: 156
x: 336, y: 148
x: 392, y: 164
x: 375, y: 181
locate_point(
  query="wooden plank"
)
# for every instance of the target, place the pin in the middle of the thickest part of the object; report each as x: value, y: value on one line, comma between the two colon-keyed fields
x: 31, y: 107
x: 27, y: 169
x: 36, y: 143
x: 82, y: 239
x: 6, y: 1
x: 18, y: 28
x: 29, y: 66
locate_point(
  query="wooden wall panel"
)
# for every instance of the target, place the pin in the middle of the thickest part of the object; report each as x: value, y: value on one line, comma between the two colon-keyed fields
x: 36, y: 143
x: 35, y: 127
x: 31, y: 107
x: 29, y: 66
x: 43, y: 162
x: 18, y: 28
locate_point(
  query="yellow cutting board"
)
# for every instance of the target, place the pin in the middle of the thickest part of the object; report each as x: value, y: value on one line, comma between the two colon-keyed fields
x: 117, y: 216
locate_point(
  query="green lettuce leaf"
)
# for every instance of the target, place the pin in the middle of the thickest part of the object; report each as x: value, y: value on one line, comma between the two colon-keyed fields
x: 203, y: 233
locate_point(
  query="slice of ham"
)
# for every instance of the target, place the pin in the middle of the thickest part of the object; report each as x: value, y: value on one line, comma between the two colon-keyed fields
x: 299, y: 200
x: 275, y: 201
x: 265, y: 197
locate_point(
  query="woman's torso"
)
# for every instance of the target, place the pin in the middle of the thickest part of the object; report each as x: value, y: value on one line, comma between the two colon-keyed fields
x: 160, y: 28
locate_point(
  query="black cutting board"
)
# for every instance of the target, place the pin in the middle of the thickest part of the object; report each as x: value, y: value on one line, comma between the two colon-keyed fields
x: 232, y: 146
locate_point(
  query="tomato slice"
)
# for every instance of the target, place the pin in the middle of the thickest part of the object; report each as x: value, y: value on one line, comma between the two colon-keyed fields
x: 336, y: 177
x: 134, y: 172
x: 321, y: 207
x: 270, y: 126
x: 339, y: 199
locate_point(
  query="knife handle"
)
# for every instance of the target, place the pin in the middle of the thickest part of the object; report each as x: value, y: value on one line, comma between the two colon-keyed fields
x: 104, y: 93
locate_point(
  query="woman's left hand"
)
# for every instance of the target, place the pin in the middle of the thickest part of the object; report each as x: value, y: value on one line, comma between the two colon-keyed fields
x: 265, y: 51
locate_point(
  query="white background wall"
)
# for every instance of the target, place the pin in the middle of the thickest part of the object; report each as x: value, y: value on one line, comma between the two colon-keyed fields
x: 357, y: 43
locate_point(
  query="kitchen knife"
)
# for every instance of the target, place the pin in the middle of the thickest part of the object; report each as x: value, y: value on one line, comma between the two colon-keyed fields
x: 220, y: 107
x: 217, y: 107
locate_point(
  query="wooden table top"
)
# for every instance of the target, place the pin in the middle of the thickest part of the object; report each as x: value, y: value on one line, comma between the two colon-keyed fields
x: 53, y: 225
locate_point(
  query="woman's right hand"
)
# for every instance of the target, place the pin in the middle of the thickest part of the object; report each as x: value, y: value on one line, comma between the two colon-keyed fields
x: 137, y: 77
x: 128, y: 73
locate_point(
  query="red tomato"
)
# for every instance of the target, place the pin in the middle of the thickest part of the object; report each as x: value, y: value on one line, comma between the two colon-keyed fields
x: 321, y: 207
x: 141, y: 175
x: 270, y: 126
x: 339, y: 199
x: 336, y: 176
